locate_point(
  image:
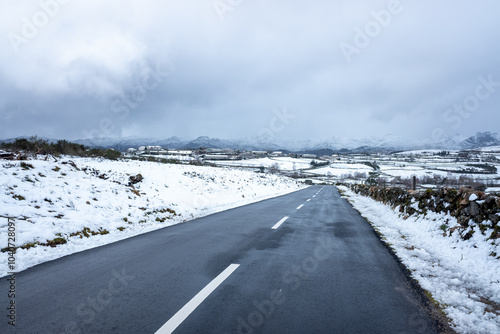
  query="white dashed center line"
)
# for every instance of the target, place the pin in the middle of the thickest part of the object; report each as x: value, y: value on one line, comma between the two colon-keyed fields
x: 278, y: 224
x: 184, y: 312
x: 300, y: 206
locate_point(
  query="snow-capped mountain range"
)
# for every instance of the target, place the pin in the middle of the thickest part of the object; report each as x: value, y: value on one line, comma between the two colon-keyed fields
x: 388, y: 143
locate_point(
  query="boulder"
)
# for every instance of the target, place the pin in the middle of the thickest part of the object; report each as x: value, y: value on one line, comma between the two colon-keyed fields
x: 474, y: 209
x: 135, y: 179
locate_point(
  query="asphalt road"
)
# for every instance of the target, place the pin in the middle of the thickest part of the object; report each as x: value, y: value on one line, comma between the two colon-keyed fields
x: 246, y: 270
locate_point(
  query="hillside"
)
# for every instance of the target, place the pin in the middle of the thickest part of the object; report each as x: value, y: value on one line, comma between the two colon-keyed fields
x: 65, y: 206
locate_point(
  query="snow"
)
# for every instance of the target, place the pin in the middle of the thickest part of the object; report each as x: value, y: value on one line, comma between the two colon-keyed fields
x: 472, y: 197
x: 421, y: 152
x: 493, y: 189
x: 283, y: 163
x: 341, y: 169
x: 490, y: 149
x: 408, y: 171
x: 53, y: 200
x: 460, y: 275
x: 171, y: 156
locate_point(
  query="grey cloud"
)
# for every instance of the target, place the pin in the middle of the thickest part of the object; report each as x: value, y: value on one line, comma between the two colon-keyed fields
x: 230, y: 74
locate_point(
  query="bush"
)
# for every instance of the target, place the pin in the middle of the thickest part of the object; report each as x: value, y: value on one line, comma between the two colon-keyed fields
x: 36, y: 146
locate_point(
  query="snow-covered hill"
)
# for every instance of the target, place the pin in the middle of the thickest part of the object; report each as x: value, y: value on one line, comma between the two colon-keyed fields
x: 79, y: 203
x: 386, y: 143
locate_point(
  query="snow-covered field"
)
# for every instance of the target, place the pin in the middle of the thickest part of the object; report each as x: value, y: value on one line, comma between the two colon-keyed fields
x: 282, y: 163
x: 491, y: 149
x: 341, y: 169
x: 461, y: 275
x: 91, y: 204
x: 171, y: 157
x: 408, y: 171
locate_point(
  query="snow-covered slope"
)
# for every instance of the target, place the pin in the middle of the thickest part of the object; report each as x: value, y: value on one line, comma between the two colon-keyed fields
x: 88, y: 203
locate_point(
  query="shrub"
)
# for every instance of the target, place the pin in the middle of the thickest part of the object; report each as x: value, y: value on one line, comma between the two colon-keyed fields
x: 35, y: 146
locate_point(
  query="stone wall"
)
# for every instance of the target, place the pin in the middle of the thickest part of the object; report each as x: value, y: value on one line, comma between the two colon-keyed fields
x: 470, y: 207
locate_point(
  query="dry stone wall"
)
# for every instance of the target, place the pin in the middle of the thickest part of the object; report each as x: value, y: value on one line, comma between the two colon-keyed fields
x: 470, y: 207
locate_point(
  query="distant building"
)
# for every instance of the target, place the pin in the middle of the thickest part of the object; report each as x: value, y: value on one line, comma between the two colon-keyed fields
x: 180, y: 152
x: 245, y: 155
x: 216, y: 157
x: 260, y: 153
x: 215, y: 150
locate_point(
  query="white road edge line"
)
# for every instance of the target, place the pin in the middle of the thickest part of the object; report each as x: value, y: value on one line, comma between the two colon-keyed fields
x: 278, y: 224
x: 184, y: 312
x: 300, y: 206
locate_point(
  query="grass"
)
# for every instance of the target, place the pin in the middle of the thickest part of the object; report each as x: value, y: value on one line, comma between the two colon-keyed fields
x: 55, y: 242
x: 26, y: 166
x: 87, y: 232
x: 438, y: 305
x: 28, y: 179
x: 50, y: 243
x: 165, y: 210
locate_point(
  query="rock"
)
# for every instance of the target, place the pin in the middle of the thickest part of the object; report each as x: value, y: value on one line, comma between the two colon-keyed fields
x: 466, y: 211
x: 463, y: 221
x: 489, y: 202
x: 474, y: 209
x: 7, y: 156
x: 135, y: 179
x: 494, y: 219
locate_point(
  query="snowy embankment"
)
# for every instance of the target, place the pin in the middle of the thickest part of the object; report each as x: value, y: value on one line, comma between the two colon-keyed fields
x: 59, y: 208
x: 461, y: 275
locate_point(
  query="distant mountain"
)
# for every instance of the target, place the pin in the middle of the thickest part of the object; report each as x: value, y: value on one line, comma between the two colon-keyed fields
x: 481, y: 139
x: 122, y: 144
x: 11, y: 140
x: 210, y: 143
x: 380, y: 144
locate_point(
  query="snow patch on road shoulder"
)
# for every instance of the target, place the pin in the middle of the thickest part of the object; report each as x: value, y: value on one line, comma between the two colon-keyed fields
x: 461, y: 275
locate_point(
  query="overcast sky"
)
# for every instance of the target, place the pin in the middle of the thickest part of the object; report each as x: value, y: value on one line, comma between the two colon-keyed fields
x: 241, y: 68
